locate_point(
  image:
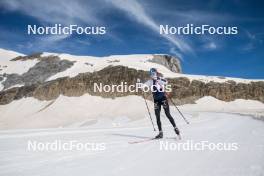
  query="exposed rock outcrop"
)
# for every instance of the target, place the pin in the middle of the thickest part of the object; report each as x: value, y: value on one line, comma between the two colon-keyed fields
x: 186, y: 91
x: 183, y: 90
x: 29, y: 57
x: 172, y: 63
x: 45, y: 68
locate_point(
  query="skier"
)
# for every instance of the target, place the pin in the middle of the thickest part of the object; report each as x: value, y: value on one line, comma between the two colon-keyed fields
x: 157, y: 84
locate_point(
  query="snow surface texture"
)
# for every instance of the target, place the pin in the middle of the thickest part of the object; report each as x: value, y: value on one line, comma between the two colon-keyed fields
x: 142, y: 159
x: 86, y: 110
x: 116, y: 122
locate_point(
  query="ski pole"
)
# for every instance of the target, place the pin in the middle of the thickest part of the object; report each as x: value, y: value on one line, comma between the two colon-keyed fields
x: 149, y: 112
x: 138, y: 81
x: 179, y: 112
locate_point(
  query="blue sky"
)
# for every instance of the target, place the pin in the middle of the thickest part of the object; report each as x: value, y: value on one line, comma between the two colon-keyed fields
x: 132, y: 29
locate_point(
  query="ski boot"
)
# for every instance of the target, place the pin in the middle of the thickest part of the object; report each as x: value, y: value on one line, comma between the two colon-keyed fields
x: 177, y: 131
x: 160, y: 135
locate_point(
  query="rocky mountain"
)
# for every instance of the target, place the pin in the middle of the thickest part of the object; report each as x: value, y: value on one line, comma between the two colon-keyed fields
x: 46, y: 90
x: 53, y: 75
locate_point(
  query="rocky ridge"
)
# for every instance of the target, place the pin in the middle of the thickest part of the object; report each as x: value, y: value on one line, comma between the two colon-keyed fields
x: 183, y: 89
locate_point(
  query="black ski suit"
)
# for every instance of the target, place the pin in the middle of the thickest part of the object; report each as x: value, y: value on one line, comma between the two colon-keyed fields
x: 166, y: 107
x: 160, y: 99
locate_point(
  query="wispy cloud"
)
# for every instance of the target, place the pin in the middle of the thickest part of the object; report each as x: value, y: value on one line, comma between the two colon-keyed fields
x: 176, y: 53
x: 147, y: 16
x: 51, y: 11
x: 42, y: 43
x: 136, y: 11
x: 253, y: 41
x: 78, y: 11
x: 210, y: 46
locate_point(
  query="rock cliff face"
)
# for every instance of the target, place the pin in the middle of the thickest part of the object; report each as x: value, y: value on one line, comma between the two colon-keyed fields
x: 45, y: 68
x: 170, y: 62
x: 51, y: 65
x: 186, y: 91
x: 183, y: 90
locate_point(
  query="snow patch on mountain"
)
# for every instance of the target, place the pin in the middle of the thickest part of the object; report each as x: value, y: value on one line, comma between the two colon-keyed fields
x: 83, y: 64
x: 137, y: 61
x: 10, y: 67
x: 91, y: 64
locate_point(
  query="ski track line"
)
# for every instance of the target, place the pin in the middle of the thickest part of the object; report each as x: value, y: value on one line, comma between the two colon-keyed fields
x: 8, y: 134
x: 56, y: 131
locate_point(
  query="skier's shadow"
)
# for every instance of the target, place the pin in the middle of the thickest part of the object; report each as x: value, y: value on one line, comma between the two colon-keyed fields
x: 130, y: 135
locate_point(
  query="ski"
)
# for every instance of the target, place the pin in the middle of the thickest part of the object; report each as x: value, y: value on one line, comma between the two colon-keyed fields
x: 141, y: 141
x: 179, y: 137
x: 151, y: 139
